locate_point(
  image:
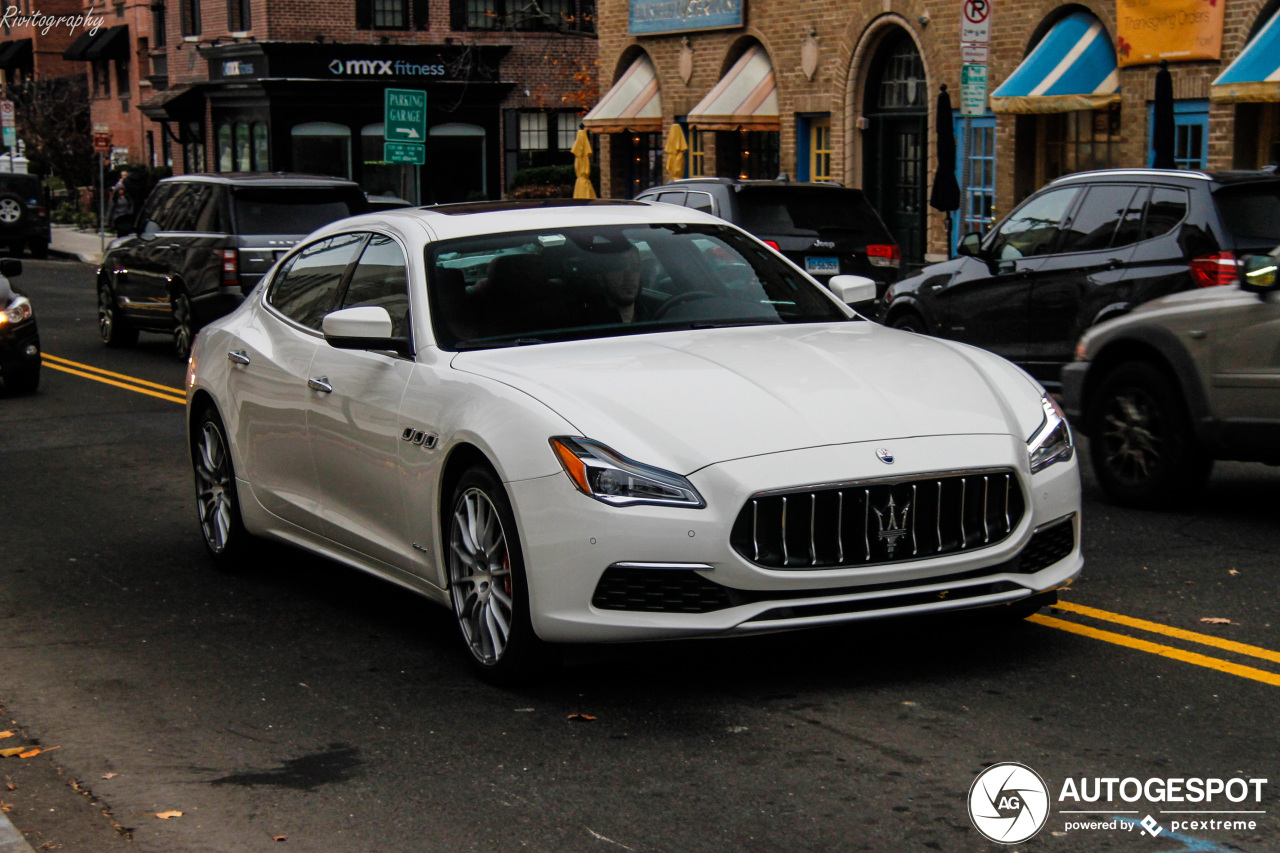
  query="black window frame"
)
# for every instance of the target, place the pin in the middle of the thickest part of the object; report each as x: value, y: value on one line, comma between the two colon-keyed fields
x: 189, y: 11
x: 499, y: 15
x: 414, y: 16
x: 239, y: 16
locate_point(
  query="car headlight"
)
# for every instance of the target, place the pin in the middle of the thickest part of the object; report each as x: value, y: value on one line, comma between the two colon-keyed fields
x: 1051, y: 442
x: 19, y: 309
x: 600, y: 473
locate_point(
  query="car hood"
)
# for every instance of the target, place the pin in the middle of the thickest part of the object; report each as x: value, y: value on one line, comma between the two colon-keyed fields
x: 684, y: 400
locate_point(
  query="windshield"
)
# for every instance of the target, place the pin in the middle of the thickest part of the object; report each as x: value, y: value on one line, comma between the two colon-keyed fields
x: 293, y: 210
x: 562, y: 284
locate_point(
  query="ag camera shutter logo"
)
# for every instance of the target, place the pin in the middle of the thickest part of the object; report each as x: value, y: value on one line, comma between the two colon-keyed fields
x: 1008, y: 803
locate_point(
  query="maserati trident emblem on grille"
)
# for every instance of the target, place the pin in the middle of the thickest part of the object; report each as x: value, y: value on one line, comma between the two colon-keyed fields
x: 885, y: 456
x: 896, y: 527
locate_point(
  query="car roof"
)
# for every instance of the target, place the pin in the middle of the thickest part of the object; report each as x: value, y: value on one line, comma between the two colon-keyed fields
x: 447, y: 221
x: 1221, y: 178
x: 264, y: 179
x: 739, y: 183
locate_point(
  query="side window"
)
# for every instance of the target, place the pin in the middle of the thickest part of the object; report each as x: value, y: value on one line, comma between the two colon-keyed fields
x: 671, y: 197
x: 1031, y: 229
x: 308, y: 288
x: 154, y: 202
x: 1096, y: 219
x: 381, y: 278
x: 186, y: 206
x: 1130, y: 230
x: 1167, y: 208
x: 212, y: 217
x: 164, y: 214
x: 700, y: 201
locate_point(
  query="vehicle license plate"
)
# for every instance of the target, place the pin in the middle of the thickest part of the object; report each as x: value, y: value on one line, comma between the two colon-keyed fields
x: 822, y: 265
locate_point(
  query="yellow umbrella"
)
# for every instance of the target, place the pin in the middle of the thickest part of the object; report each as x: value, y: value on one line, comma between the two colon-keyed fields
x: 582, y: 166
x: 675, y: 148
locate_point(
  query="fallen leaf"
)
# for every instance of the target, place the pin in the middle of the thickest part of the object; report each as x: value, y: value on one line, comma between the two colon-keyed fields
x: 5, y: 735
x: 167, y: 815
x: 1216, y: 620
x: 1229, y: 571
x: 13, y: 750
x: 1188, y: 582
x: 35, y: 750
x: 6, y: 807
x: 280, y: 838
x: 582, y: 718
x: 12, y: 786
x: 111, y: 775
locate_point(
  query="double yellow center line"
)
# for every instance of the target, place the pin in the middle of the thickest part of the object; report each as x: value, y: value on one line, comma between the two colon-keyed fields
x: 119, y: 380
x: 1172, y: 652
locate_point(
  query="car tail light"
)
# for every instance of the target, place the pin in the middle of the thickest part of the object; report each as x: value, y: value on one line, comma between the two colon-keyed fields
x: 772, y: 245
x: 1214, y: 270
x: 884, y: 255
x: 41, y: 211
x: 230, y: 267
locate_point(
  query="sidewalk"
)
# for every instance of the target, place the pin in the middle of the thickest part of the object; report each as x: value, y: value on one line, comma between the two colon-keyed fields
x: 70, y: 242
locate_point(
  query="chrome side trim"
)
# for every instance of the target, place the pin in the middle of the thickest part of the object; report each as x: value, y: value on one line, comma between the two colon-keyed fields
x: 682, y: 567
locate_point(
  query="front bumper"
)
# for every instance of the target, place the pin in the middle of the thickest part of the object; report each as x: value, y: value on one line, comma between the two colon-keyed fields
x: 570, y: 541
x: 15, y: 341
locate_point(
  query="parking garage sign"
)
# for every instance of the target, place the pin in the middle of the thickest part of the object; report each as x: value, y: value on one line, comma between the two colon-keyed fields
x: 405, y: 116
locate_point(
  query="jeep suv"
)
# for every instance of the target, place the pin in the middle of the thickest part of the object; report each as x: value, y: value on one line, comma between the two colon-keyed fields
x: 1086, y: 248
x: 1179, y: 382
x: 825, y: 229
x: 24, y: 218
x: 201, y: 243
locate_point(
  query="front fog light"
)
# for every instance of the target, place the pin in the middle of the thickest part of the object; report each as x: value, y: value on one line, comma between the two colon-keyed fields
x: 1051, y: 442
x: 601, y: 473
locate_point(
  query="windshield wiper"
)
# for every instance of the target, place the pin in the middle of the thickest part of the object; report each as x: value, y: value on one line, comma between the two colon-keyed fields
x: 728, y: 324
x: 515, y: 342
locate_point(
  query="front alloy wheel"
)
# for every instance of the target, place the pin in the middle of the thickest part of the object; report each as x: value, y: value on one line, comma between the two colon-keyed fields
x: 111, y: 328
x: 487, y: 582
x: 184, y: 327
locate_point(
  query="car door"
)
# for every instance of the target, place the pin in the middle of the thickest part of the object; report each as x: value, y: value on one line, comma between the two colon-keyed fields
x: 272, y: 379
x: 353, y: 417
x: 1245, y: 374
x: 987, y: 302
x: 142, y: 276
x: 1084, y: 274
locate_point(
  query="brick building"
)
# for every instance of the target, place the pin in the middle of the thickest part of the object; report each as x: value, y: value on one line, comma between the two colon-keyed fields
x: 846, y: 92
x: 283, y: 85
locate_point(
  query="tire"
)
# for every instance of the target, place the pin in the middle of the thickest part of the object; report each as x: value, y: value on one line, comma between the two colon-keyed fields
x: 39, y: 249
x: 908, y: 322
x: 1141, y: 444
x: 112, y: 328
x: 13, y: 211
x: 217, y: 503
x: 487, y: 583
x: 184, y: 324
x: 22, y: 379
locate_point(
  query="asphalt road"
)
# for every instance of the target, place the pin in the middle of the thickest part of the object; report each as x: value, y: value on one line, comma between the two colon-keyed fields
x: 308, y: 707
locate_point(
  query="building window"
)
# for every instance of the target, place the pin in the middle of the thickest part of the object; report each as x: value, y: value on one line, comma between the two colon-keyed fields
x: 261, y: 148
x: 1078, y: 141
x: 1190, y: 134
x: 566, y: 130
x: 122, y: 78
x: 976, y: 174
x: 239, y: 18
x: 101, y: 71
x: 697, y: 154
x: 903, y: 85
x: 244, y: 152
x: 322, y: 148
x: 158, y: 34
x: 390, y: 14
x: 820, y: 149
x: 553, y: 15
x: 226, y: 151
x: 533, y: 135
x: 190, y: 13
x: 747, y: 154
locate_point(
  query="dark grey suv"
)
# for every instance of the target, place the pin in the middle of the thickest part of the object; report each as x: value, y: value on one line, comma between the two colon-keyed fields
x: 201, y: 243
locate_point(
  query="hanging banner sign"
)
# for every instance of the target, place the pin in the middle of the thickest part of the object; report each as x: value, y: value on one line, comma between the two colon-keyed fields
x: 1148, y: 31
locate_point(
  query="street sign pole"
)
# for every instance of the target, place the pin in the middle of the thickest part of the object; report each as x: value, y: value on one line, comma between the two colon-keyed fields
x: 102, y: 205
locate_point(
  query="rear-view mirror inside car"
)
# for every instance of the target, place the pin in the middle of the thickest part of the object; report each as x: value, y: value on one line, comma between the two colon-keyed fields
x: 1258, y: 273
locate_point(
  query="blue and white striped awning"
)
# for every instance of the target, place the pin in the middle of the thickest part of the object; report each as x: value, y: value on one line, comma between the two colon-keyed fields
x: 1072, y: 68
x: 1255, y: 75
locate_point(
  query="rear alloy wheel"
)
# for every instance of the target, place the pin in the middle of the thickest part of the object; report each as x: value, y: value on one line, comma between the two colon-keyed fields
x: 909, y: 323
x: 217, y: 502
x: 1141, y: 445
x: 184, y: 324
x: 11, y: 211
x: 487, y: 582
x: 111, y: 327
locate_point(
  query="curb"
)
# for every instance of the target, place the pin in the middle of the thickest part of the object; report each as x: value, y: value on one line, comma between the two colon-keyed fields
x: 11, y: 841
x: 73, y: 256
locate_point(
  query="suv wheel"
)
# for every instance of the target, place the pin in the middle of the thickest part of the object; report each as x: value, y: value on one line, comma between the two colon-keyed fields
x: 184, y: 324
x: 12, y: 210
x: 1141, y: 443
x: 908, y: 322
x: 111, y: 326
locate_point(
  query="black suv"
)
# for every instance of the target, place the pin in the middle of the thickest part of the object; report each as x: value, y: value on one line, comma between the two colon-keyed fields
x: 19, y: 337
x: 24, y: 218
x: 202, y: 242
x: 1086, y: 248
x: 825, y: 229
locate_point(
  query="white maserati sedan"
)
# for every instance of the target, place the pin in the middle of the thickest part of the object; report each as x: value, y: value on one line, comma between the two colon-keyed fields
x: 606, y: 421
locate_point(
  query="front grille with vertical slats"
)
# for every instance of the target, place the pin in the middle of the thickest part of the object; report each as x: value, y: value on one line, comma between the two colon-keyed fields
x: 880, y: 521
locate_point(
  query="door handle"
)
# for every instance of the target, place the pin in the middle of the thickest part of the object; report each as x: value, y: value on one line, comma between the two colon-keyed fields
x: 238, y: 357
x: 320, y: 384
x: 1114, y: 263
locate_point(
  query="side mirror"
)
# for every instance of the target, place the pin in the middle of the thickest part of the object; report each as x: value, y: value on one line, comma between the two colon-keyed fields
x: 970, y: 244
x: 852, y: 288
x: 364, y: 327
x: 124, y: 224
x: 150, y: 230
x: 10, y: 267
x: 1258, y: 273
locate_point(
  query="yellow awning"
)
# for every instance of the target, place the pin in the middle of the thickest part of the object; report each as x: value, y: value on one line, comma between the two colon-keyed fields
x: 633, y: 104
x: 746, y: 97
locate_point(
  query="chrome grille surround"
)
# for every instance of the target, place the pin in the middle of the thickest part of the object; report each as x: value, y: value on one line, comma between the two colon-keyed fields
x: 877, y: 521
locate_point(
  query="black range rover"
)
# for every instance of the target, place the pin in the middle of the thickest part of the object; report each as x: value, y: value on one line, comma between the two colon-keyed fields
x: 1086, y: 248
x: 201, y: 243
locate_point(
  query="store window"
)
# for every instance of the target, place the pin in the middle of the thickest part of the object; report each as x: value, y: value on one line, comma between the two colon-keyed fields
x: 242, y: 147
x: 189, y: 11
x: 1190, y: 134
x: 547, y: 15
x: 261, y: 147
x: 747, y: 154
x: 976, y: 174
x: 465, y: 146
x: 238, y: 16
x: 1077, y: 142
x: 642, y: 161
x: 226, y: 151
x: 322, y: 148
